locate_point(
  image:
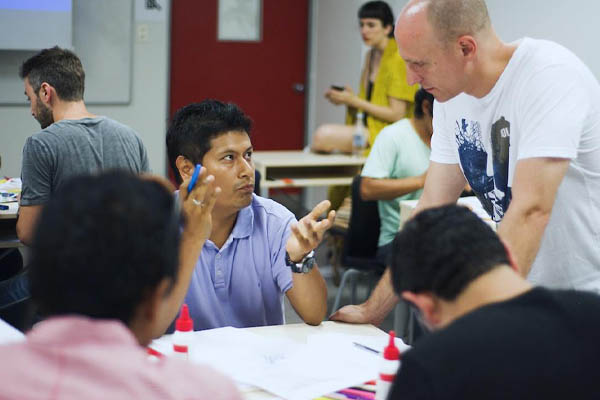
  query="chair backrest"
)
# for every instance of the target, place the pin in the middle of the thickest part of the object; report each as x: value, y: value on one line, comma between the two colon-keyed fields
x: 363, y: 229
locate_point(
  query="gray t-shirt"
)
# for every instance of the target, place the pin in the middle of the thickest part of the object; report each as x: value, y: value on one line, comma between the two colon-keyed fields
x: 74, y: 147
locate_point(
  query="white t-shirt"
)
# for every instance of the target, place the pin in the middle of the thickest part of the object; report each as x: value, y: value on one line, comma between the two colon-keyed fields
x: 546, y: 103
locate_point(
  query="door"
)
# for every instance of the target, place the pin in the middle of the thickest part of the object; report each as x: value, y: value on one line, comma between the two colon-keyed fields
x: 265, y: 78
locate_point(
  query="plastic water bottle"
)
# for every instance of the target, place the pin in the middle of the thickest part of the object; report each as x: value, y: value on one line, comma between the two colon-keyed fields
x: 183, y: 335
x: 387, y: 369
x: 359, y: 137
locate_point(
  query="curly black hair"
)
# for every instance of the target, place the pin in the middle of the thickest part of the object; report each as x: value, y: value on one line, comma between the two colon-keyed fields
x: 102, y: 244
x: 441, y: 250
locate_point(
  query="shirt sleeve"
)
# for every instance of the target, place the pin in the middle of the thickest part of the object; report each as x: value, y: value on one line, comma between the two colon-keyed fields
x: 397, y: 86
x: 443, y: 146
x: 552, y: 113
x: 382, y: 157
x: 145, y: 167
x: 282, y: 274
x: 36, y: 173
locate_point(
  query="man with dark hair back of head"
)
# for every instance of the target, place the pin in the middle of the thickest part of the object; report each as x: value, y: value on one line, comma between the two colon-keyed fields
x: 496, y: 336
x: 257, y: 251
x: 520, y: 123
x: 107, y: 275
x: 72, y: 141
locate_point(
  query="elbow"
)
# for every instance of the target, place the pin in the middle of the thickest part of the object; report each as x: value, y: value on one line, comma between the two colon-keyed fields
x: 23, y: 233
x: 366, y: 194
x: 315, y: 317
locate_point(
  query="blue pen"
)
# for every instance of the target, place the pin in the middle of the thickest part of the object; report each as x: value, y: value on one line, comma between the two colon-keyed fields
x: 194, y: 177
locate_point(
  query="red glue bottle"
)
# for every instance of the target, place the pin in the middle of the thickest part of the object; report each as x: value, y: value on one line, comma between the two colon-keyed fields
x: 183, y: 335
x: 387, y: 369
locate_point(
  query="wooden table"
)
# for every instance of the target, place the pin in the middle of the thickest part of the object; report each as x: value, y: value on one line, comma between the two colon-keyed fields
x: 295, y: 168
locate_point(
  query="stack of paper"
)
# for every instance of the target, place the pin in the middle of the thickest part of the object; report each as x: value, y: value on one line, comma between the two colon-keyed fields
x: 291, y: 370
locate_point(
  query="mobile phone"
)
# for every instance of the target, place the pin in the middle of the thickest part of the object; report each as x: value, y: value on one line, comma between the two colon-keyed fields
x: 336, y: 87
x: 194, y: 178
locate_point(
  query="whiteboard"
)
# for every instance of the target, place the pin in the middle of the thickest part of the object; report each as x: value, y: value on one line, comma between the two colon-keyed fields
x: 103, y: 40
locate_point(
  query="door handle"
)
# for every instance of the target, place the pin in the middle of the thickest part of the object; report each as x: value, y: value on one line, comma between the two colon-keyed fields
x: 298, y: 87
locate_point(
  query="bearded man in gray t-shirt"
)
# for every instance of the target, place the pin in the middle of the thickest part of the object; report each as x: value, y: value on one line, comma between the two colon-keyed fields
x: 72, y: 141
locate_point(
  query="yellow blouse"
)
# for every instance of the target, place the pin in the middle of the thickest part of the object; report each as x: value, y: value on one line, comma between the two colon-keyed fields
x: 389, y: 82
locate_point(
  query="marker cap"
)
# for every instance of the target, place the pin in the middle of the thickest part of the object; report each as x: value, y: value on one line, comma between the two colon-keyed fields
x: 184, y: 323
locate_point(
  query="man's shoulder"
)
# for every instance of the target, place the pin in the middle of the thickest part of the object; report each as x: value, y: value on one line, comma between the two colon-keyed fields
x: 270, y: 208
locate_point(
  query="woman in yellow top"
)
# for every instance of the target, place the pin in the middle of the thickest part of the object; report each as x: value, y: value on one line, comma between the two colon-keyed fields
x: 384, y: 95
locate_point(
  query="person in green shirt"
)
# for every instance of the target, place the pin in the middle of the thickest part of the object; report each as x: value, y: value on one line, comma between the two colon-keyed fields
x: 396, y: 168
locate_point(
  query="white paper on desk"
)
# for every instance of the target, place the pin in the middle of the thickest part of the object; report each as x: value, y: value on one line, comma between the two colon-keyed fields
x: 8, y: 334
x: 285, y: 368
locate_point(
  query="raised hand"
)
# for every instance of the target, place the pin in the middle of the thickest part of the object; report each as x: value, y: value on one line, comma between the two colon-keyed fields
x: 308, y: 232
x: 197, y: 206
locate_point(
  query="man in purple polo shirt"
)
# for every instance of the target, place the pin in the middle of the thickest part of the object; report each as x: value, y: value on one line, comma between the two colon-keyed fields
x: 257, y: 251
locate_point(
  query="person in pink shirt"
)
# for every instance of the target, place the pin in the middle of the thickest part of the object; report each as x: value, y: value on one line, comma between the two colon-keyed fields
x: 108, y: 273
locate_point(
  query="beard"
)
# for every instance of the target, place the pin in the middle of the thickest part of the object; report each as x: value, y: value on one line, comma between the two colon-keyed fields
x: 43, y: 115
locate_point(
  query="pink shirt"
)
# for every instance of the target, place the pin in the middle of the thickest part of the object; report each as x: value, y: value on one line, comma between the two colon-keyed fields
x: 80, y: 358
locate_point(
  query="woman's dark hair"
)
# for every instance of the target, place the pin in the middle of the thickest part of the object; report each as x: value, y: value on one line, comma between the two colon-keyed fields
x: 102, y: 245
x: 379, y: 10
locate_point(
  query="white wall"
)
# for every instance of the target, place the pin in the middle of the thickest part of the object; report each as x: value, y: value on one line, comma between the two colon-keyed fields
x: 146, y: 113
x: 336, y: 58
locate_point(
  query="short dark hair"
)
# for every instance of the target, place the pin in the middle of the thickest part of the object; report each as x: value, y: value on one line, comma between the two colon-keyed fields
x: 379, y: 10
x: 195, y: 125
x: 60, y: 68
x: 103, y: 243
x: 421, y: 95
x: 441, y: 250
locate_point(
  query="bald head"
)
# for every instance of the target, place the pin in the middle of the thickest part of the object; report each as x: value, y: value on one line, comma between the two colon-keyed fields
x: 451, y: 19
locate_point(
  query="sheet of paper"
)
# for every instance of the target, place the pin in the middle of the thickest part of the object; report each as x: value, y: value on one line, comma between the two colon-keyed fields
x: 291, y: 370
x: 8, y: 334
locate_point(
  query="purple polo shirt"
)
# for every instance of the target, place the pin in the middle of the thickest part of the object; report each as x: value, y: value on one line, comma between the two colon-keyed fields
x: 242, y: 284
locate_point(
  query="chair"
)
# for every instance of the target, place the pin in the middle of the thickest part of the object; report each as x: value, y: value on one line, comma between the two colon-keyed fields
x: 360, y: 245
x: 16, y: 307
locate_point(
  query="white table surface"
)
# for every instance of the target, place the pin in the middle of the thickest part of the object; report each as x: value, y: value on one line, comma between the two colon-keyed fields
x: 299, y: 168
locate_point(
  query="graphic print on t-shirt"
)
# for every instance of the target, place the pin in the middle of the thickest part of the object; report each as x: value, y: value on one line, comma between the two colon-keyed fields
x: 492, y: 190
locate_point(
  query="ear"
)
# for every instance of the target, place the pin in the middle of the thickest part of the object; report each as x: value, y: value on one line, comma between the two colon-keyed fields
x: 156, y: 306
x: 388, y: 30
x: 426, y: 105
x: 46, y: 93
x: 468, y: 46
x: 146, y: 323
x: 427, y: 304
x: 511, y: 258
x: 185, y: 167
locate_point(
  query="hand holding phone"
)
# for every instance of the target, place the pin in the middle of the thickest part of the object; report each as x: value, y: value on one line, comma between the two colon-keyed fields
x: 336, y: 87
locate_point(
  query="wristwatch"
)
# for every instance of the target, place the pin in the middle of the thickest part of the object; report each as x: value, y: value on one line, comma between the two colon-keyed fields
x: 303, y: 266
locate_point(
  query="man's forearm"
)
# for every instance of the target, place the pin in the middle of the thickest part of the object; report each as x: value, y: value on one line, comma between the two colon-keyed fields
x: 522, y: 231
x: 389, y: 189
x: 308, y: 296
x: 189, y: 252
x: 383, y: 299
